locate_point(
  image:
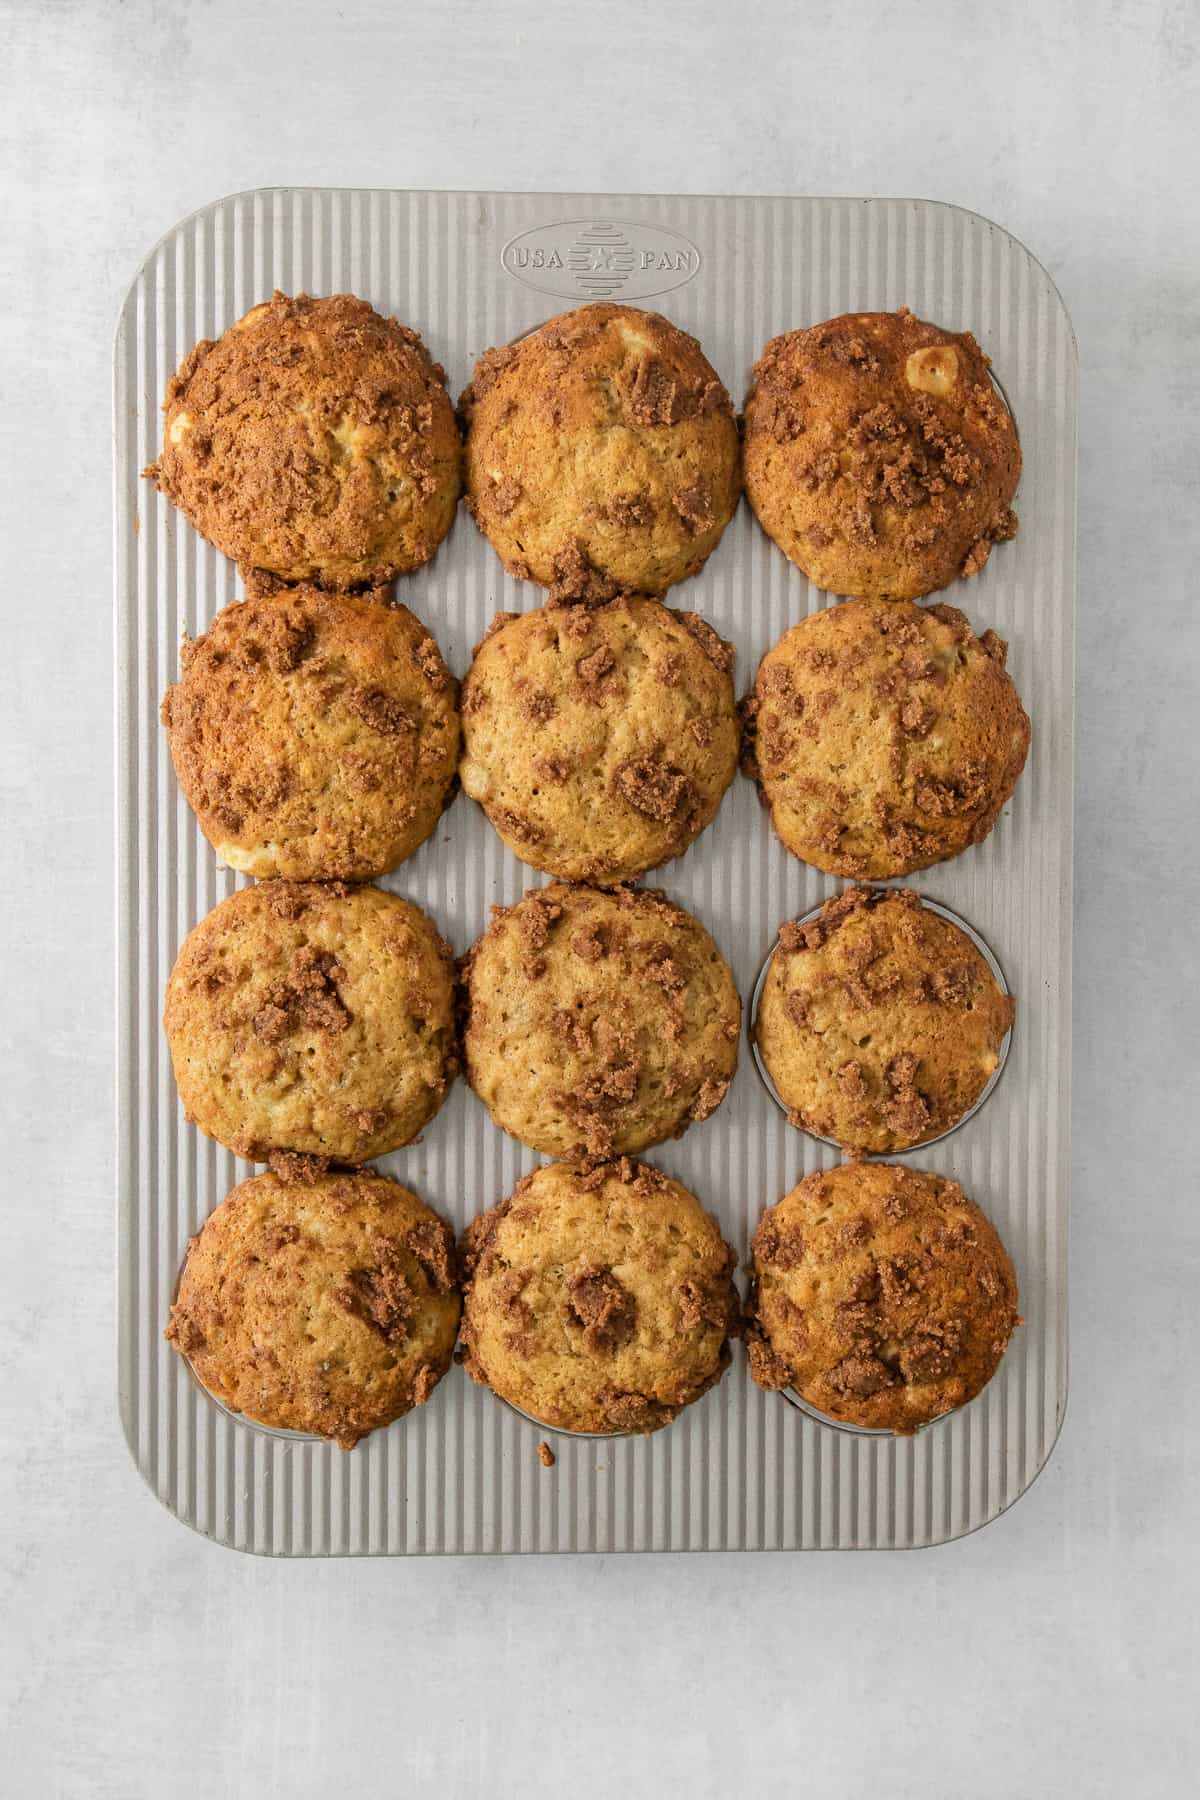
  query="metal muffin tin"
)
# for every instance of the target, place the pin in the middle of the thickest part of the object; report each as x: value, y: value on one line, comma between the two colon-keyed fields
x: 740, y: 1469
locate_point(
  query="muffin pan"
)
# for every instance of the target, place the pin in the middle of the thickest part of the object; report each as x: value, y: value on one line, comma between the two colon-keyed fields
x: 740, y: 1469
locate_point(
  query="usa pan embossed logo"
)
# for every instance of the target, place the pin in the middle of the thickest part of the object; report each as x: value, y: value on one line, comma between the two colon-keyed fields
x: 601, y: 259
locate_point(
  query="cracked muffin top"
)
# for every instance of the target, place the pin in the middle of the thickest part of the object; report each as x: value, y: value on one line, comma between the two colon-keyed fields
x: 315, y: 735
x: 313, y: 441
x: 599, y: 739
x: 879, y: 1022
x: 598, y: 1023
x: 312, y: 1017
x: 598, y: 1301
x: 601, y: 453
x: 881, y: 1294
x: 884, y: 736
x: 319, y: 1302
x: 879, y: 454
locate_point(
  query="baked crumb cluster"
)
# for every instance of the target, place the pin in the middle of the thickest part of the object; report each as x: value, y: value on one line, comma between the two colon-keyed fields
x: 316, y: 1022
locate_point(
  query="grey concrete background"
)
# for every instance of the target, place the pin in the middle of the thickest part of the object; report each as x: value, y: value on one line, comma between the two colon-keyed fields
x: 1052, y: 1654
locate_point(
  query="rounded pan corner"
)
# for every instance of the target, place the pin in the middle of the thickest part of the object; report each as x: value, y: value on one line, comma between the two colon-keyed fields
x: 957, y: 1537
x: 968, y: 212
x: 208, y: 1537
x: 197, y: 212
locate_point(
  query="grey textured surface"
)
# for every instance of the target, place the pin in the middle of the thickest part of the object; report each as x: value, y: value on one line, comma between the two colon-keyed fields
x: 1052, y: 1653
x: 742, y: 1470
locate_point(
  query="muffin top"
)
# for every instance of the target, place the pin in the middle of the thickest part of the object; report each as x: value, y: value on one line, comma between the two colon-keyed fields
x: 881, y: 1295
x: 599, y: 739
x: 884, y: 736
x: 313, y: 1017
x: 319, y: 1302
x: 598, y: 1301
x: 601, y: 453
x: 598, y: 1022
x: 313, y: 441
x: 314, y: 734
x: 879, y: 455
x: 880, y: 1023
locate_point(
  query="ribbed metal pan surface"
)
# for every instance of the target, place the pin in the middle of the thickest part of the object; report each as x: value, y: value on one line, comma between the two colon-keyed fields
x: 741, y: 1469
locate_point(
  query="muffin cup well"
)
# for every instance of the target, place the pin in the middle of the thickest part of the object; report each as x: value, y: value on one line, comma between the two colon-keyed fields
x: 988, y: 955
x: 602, y: 1437
x: 867, y: 1431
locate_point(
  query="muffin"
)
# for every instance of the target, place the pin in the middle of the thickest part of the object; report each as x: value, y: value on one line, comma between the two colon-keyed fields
x: 601, y: 453
x: 319, y: 1302
x: 598, y: 1302
x: 881, y: 1295
x: 600, y: 739
x: 596, y: 1022
x: 315, y: 735
x: 879, y: 1023
x: 313, y: 441
x: 879, y: 455
x: 312, y: 1017
x: 884, y: 737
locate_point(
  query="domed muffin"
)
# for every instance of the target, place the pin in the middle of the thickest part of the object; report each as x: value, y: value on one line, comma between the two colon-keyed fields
x: 884, y: 737
x: 881, y: 1295
x: 318, y: 1302
x: 315, y: 735
x: 596, y: 1022
x: 879, y: 1022
x: 599, y: 740
x: 313, y: 441
x: 598, y: 1302
x: 312, y: 1017
x: 601, y: 453
x: 879, y: 455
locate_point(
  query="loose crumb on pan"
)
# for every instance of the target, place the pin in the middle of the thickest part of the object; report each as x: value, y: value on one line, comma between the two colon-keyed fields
x: 546, y: 1455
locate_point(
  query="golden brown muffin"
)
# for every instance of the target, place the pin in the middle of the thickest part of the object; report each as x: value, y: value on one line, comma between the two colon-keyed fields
x: 881, y: 1295
x: 598, y: 1302
x: 601, y: 453
x: 313, y: 441
x: 319, y: 1302
x: 879, y: 455
x: 884, y: 736
x: 598, y: 1023
x: 315, y: 735
x: 880, y: 1023
x: 313, y: 1017
x: 599, y: 740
